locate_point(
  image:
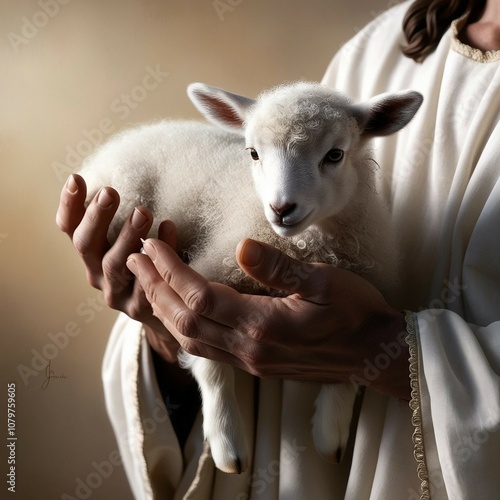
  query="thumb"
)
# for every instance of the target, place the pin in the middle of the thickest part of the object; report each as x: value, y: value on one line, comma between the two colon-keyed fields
x: 273, y: 268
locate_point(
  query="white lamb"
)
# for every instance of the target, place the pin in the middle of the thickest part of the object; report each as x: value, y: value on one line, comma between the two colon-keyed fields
x: 315, y: 198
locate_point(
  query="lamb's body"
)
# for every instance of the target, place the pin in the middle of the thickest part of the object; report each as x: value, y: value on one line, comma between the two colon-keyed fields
x: 315, y: 198
x: 199, y: 176
x: 192, y: 173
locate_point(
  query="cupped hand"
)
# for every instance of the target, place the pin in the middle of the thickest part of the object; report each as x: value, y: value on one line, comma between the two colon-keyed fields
x: 105, y: 263
x: 329, y: 329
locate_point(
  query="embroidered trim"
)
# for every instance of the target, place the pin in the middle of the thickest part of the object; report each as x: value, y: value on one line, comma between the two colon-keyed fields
x: 466, y: 50
x: 416, y: 420
x: 138, y: 423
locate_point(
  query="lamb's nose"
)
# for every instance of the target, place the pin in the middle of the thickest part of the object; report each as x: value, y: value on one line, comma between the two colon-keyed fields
x: 283, y: 210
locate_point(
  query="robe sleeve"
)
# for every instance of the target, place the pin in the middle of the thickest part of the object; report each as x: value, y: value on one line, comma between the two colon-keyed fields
x: 455, y: 369
x: 138, y: 415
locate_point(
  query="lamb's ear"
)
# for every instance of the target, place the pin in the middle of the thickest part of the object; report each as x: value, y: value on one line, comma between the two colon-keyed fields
x: 219, y: 106
x: 388, y: 113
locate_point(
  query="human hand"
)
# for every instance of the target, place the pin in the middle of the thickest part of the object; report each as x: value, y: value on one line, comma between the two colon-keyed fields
x: 332, y: 322
x: 105, y: 263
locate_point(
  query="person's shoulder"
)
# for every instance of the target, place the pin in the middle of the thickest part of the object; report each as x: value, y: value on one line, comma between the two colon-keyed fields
x: 363, y: 65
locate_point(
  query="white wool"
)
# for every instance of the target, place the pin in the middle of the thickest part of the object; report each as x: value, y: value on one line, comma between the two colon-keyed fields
x: 199, y: 176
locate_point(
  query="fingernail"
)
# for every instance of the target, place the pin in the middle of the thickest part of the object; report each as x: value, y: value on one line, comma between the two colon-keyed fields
x: 138, y: 219
x: 150, y: 250
x: 71, y: 185
x: 166, y: 230
x: 104, y: 199
x: 132, y: 265
x: 251, y: 254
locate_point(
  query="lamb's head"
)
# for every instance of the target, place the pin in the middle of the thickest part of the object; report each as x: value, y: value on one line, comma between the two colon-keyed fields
x: 307, y: 144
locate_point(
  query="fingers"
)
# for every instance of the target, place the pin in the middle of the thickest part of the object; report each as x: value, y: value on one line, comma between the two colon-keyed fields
x: 211, y: 300
x: 273, y: 268
x: 240, y: 339
x: 196, y: 334
x: 71, y: 205
x: 167, y: 233
x: 117, y: 279
x: 90, y: 238
x: 186, y: 299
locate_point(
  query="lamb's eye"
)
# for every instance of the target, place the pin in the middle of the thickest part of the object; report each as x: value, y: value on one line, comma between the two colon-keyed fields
x: 334, y: 155
x: 254, y: 154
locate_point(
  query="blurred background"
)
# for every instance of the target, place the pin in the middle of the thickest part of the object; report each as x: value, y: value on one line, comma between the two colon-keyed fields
x: 73, y: 72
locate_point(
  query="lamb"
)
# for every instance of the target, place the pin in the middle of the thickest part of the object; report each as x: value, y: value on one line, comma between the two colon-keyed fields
x: 315, y: 198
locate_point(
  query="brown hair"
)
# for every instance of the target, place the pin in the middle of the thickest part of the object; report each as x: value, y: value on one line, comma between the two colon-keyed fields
x: 426, y: 21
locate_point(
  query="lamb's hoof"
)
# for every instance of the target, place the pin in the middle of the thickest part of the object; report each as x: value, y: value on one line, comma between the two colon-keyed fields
x: 331, y: 421
x: 334, y: 456
x: 234, y: 466
x: 227, y: 458
x: 331, y: 444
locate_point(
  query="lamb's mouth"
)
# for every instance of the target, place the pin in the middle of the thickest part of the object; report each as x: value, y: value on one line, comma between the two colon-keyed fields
x: 282, y: 228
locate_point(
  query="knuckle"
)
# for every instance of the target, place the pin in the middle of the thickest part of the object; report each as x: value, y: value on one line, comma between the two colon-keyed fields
x: 185, y: 322
x: 257, y: 328
x: 253, y: 361
x: 166, y: 274
x: 64, y: 217
x: 281, y: 268
x: 110, y: 298
x: 257, y: 333
x: 254, y: 371
x: 192, y: 348
x: 135, y: 310
x: 200, y: 300
x: 110, y: 265
x: 115, y: 296
x: 149, y: 292
x: 93, y: 280
x: 62, y: 223
x: 117, y: 276
x: 82, y: 245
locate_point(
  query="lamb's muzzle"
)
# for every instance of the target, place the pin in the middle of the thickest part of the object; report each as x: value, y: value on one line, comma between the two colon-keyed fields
x: 284, y: 211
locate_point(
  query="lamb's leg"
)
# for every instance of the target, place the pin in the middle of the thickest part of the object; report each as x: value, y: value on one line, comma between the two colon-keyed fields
x: 222, y: 422
x: 331, y: 421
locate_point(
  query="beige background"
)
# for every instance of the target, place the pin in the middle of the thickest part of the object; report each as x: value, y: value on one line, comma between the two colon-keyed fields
x: 69, y: 68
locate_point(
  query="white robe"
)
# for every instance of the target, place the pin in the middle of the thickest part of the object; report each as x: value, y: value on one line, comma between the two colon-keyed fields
x: 441, y: 176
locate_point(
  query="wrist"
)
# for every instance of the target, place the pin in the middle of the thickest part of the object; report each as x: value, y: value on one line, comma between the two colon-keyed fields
x: 385, y: 365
